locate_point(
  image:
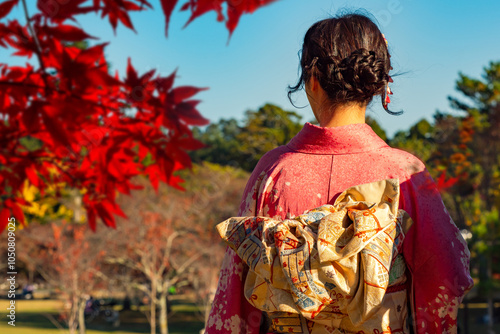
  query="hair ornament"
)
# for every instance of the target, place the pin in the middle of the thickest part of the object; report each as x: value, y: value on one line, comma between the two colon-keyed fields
x: 388, y: 92
x: 313, y: 62
x: 389, y: 79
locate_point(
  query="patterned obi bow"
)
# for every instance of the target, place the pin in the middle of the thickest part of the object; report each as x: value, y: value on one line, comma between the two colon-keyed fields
x: 331, y: 265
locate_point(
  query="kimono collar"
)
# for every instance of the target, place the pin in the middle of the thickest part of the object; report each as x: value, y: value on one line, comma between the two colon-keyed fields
x: 346, y: 139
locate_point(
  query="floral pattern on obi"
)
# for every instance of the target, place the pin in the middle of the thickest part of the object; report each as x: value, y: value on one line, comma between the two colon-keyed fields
x: 331, y: 267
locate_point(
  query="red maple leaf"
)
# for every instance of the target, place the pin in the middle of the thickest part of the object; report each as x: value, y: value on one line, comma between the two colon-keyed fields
x: 442, y: 184
x: 6, y: 7
x: 199, y: 7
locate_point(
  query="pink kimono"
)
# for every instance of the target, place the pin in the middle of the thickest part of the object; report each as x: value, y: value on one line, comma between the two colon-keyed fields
x: 312, y: 170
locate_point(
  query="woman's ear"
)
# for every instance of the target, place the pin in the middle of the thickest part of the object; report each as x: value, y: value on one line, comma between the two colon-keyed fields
x: 314, y: 84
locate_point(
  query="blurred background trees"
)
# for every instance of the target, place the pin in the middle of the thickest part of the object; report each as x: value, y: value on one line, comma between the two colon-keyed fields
x: 262, y: 130
x: 470, y: 152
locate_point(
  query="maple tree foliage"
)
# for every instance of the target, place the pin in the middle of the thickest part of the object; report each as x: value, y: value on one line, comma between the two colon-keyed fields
x: 68, y: 121
x: 234, y: 10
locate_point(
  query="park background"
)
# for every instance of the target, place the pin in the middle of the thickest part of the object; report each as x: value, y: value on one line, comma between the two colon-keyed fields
x: 446, y: 80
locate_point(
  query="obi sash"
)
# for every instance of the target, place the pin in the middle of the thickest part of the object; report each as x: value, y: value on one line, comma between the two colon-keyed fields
x: 334, y: 269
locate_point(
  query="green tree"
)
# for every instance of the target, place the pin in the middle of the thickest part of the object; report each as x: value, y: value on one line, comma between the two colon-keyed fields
x: 264, y: 130
x: 227, y: 143
x: 222, y: 146
x: 376, y: 127
x: 418, y: 140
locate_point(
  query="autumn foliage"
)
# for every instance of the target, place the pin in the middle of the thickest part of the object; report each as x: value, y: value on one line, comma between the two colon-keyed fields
x: 70, y: 121
x: 234, y: 9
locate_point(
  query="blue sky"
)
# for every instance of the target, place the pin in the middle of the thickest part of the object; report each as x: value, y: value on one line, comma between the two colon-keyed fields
x: 431, y: 41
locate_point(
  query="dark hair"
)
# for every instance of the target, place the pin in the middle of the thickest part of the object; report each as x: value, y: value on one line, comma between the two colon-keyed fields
x: 349, y: 57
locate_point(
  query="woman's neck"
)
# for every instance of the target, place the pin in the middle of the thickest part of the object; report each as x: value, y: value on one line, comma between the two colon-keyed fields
x: 328, y: 115
x: 341, y: 115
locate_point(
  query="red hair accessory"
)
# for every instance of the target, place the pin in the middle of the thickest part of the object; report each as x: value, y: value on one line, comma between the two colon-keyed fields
x: 388, y: 91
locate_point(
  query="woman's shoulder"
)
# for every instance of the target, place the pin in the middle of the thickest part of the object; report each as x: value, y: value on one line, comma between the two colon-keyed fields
x: 408, y: 163
x: 273, y: 158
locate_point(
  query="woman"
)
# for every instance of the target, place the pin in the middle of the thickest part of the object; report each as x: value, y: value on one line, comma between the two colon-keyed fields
x: 345, y: 62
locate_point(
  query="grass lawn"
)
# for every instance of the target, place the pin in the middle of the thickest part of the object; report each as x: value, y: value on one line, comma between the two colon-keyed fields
x: 32, y: 317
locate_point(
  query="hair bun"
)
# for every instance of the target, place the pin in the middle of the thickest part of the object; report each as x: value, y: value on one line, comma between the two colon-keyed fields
x: 355, y: 78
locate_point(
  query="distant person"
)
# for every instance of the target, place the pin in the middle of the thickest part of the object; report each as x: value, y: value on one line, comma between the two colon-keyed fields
x: 28, y: 290
x: 345, y: 63
x: 89, y: 304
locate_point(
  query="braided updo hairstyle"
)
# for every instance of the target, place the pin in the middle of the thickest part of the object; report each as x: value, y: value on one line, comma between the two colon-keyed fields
x: 349, y: 57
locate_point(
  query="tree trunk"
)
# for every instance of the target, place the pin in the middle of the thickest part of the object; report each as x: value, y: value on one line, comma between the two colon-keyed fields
x: 72, y: 323
x: 163, y: 312
x: 31, y: 272
x: 77, y: 213
x: 81, y: 315
x: 153, y: 306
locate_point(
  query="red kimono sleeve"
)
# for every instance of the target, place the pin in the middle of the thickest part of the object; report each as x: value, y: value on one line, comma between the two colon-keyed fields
x: 436, y: 255
x: 231, y: 313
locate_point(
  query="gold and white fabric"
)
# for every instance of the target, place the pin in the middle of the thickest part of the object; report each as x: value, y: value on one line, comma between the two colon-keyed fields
x: 334, y: 269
